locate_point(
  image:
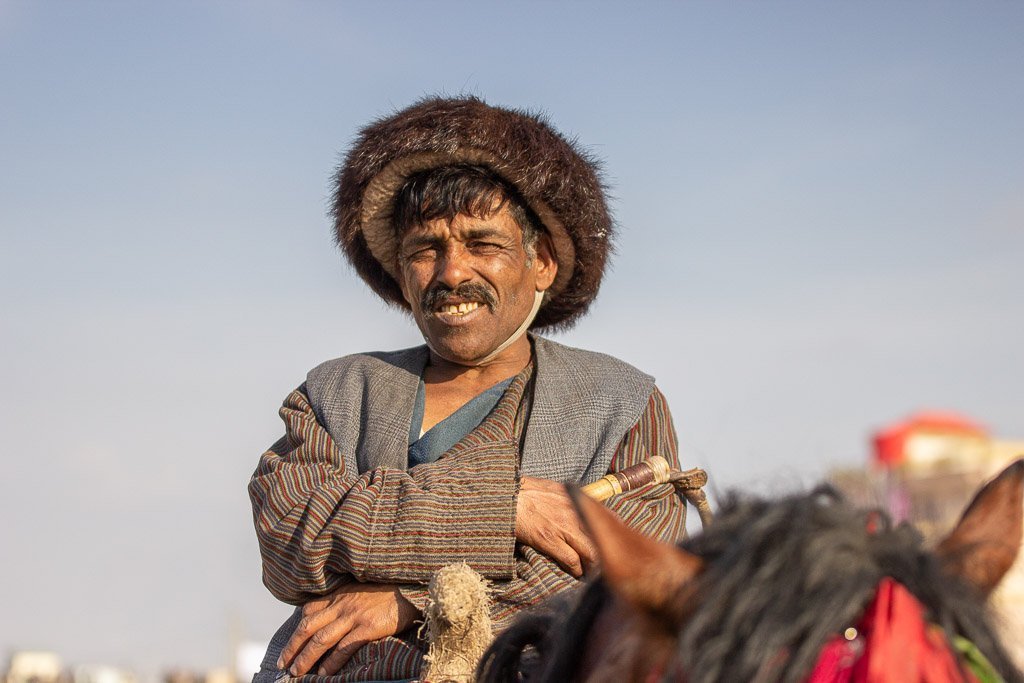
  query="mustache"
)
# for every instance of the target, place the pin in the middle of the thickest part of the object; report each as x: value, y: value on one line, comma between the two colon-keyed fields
x: 439, y: 294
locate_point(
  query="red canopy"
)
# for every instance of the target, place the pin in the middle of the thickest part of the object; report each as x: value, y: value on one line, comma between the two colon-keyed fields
x: 889, y: 442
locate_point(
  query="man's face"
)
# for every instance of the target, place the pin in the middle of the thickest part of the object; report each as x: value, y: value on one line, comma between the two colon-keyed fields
x: 470, y: 282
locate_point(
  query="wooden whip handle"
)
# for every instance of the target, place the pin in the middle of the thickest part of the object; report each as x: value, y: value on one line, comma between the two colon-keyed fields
x: 654, y: 470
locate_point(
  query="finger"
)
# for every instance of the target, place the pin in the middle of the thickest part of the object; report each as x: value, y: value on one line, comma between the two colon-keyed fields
x: 319, y: 643
x: 307, y: 626
x: 316, y: 605
x: 341, y: 653
x: 568, y: 559
x: 583, y: 547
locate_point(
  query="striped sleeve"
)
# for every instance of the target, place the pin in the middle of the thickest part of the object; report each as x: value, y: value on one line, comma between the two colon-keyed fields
x: 654, y: 510
x: 320, y: 524
x: 657, y: 511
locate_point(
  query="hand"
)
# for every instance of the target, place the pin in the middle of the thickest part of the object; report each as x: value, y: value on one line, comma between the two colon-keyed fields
x: 547, y: 522
x: 345, y: 620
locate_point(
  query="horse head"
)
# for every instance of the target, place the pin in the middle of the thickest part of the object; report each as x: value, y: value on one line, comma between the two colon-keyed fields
x: 803, y: 588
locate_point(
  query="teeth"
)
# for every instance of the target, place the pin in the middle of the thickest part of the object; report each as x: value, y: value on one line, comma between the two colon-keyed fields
x: 460, y: 309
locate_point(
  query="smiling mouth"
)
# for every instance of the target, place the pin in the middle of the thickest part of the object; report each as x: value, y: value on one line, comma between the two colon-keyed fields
x: 458, y: 309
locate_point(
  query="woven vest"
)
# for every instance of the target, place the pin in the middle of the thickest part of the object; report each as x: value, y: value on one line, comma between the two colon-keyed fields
x: 583, y: 404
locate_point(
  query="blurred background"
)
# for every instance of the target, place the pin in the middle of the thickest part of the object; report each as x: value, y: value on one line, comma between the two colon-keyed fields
x: 821, y: 233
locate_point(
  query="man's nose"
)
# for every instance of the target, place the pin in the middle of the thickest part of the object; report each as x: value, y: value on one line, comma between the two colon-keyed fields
x: 452, y: 268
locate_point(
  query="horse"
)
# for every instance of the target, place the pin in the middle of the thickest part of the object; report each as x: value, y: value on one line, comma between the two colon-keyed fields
x: 805, y: 588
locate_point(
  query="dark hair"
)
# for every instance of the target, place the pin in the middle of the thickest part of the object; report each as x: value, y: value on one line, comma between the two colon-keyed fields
x: 446, y: 191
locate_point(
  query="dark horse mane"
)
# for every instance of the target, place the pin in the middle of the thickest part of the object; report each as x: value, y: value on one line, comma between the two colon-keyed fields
x: 781, y: 577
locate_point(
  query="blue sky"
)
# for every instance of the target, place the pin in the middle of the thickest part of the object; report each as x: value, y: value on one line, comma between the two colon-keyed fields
x: 821, y: 229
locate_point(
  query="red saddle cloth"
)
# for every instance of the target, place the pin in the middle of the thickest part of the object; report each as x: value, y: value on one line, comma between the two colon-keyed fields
x: 894, y: 644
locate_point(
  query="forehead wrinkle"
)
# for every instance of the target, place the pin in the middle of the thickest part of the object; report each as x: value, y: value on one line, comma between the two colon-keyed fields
x: 424, y: 237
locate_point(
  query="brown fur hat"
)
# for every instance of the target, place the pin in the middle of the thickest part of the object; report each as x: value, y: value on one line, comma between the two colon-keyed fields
x: 561, y: 183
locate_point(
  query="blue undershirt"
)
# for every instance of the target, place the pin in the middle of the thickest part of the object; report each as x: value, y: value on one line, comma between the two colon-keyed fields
x: 449, y: 431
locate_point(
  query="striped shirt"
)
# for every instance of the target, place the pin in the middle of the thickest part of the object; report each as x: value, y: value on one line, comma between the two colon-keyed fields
x: 321, y: 525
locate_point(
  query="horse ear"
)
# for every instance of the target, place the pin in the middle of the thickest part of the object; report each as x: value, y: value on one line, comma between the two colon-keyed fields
x: 985, y: 543
x: 644, y: 572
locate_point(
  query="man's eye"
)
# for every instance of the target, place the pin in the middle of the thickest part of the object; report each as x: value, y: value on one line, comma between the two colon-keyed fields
x: 421, y: 254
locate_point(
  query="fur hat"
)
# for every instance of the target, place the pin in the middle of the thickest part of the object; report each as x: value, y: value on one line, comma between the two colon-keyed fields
x: 560, y: 182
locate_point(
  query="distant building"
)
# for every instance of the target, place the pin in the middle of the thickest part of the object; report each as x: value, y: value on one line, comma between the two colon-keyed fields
x: 924, y: 470
x: 102, y: 673
x: 221, y: 674
x: 180, y: 675
x: 34, y: 666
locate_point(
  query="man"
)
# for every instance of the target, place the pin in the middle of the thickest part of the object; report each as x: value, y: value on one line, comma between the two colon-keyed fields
x: 483, y: 223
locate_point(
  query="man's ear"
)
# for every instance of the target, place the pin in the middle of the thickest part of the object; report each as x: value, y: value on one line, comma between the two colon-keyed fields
x: 651, y: 576
x: 545, y: 264
x: 985, y: 543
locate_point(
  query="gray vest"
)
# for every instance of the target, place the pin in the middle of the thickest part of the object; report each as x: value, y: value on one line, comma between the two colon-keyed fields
x: 583, y: 404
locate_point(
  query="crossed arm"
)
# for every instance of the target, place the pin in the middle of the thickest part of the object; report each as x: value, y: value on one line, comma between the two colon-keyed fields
x: 357, y: 549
